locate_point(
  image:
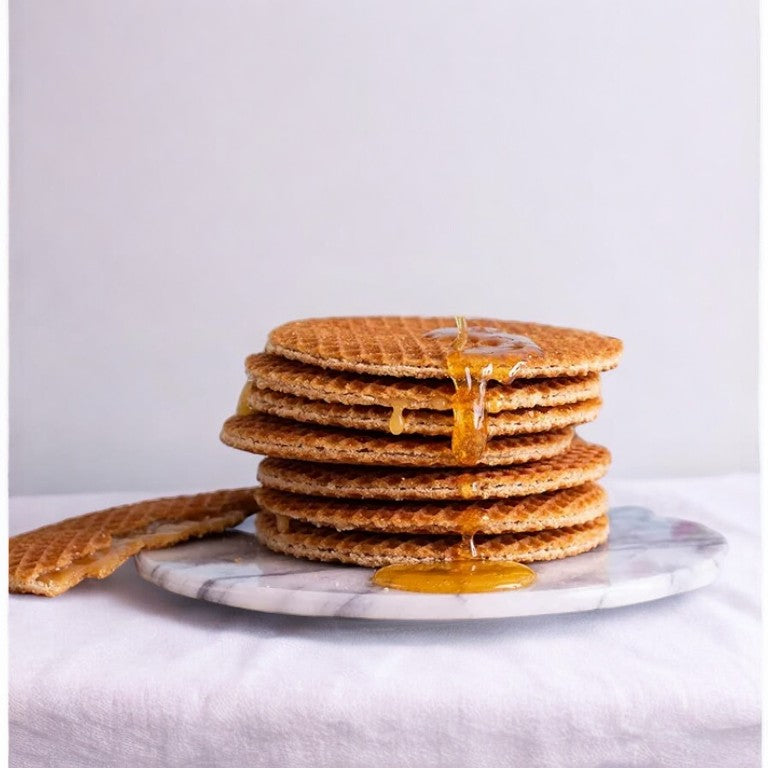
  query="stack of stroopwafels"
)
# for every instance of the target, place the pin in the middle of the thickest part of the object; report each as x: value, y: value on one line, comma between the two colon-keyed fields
x: 356, y: 416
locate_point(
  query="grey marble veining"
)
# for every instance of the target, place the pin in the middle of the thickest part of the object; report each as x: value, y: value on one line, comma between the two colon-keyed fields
x: 646, y: 558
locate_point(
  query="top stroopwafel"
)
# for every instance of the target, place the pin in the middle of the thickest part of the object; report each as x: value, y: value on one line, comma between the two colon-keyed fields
x: 301, y: 380
x: 51, y: 559
x: 397, y: 346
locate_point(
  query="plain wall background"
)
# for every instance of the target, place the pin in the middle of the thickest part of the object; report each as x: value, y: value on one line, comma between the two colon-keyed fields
x: 186, y: 175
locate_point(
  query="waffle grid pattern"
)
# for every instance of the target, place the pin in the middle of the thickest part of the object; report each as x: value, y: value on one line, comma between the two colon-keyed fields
x: 581, y: 463
x: 554, y: 509
x: 301, y: 380
x: 374, y: 550
x: 36, y: 555
x: 421, y: 422
x: 286, y: 439
x: 397, y: 346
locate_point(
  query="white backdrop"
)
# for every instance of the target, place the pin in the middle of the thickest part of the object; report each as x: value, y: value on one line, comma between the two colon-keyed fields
x: 186, y: 175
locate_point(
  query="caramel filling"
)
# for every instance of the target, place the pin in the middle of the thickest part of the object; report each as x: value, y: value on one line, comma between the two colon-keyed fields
x: 243, y: 402
x: 467, y: 487
x: 90, y: 565
x: 158, y: 534
x: 283, y: 523
x: 396, y: 424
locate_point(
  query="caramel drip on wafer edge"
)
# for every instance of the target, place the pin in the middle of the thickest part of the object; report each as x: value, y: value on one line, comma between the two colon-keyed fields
x: 243, y: 402
x: 477, y: 356
x: 396, y: 423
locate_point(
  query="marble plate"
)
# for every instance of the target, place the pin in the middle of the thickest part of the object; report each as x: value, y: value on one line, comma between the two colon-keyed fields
x: 646, y: 558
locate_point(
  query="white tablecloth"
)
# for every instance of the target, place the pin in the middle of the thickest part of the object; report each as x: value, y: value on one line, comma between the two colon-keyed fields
x: 122, y: 673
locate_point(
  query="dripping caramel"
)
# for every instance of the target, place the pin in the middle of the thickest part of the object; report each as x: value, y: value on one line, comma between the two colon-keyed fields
x: 467, y: 487
x: 396, y: 423
x: 478, y: 355
x: 467, y: 572
x: 243, y: 402
x: 456, y: 576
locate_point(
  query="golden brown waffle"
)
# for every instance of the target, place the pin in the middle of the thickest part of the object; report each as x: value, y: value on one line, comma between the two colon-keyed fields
x: 396, y: 346
x: 378, y: 549
x: 581, y: 463
x: 50, y: 560
x: 555, y: 509
x: 272, y: 436
x: 309, y: 381
x: 422, y: 422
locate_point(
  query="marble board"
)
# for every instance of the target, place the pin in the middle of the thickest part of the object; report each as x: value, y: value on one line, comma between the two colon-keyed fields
x: 646, y: 558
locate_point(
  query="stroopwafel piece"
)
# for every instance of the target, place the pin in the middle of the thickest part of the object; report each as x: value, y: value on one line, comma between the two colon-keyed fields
x: 378, y: 549
x: 397, y: 346
x: 52, y: 559
x: 282, y: 438
x: 314, y: 383
x: 422, y: 422
x: 582, y: 462
x: 555, y: 509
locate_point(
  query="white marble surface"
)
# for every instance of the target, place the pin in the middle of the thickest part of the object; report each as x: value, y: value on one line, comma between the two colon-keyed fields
x: 647, y: 557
